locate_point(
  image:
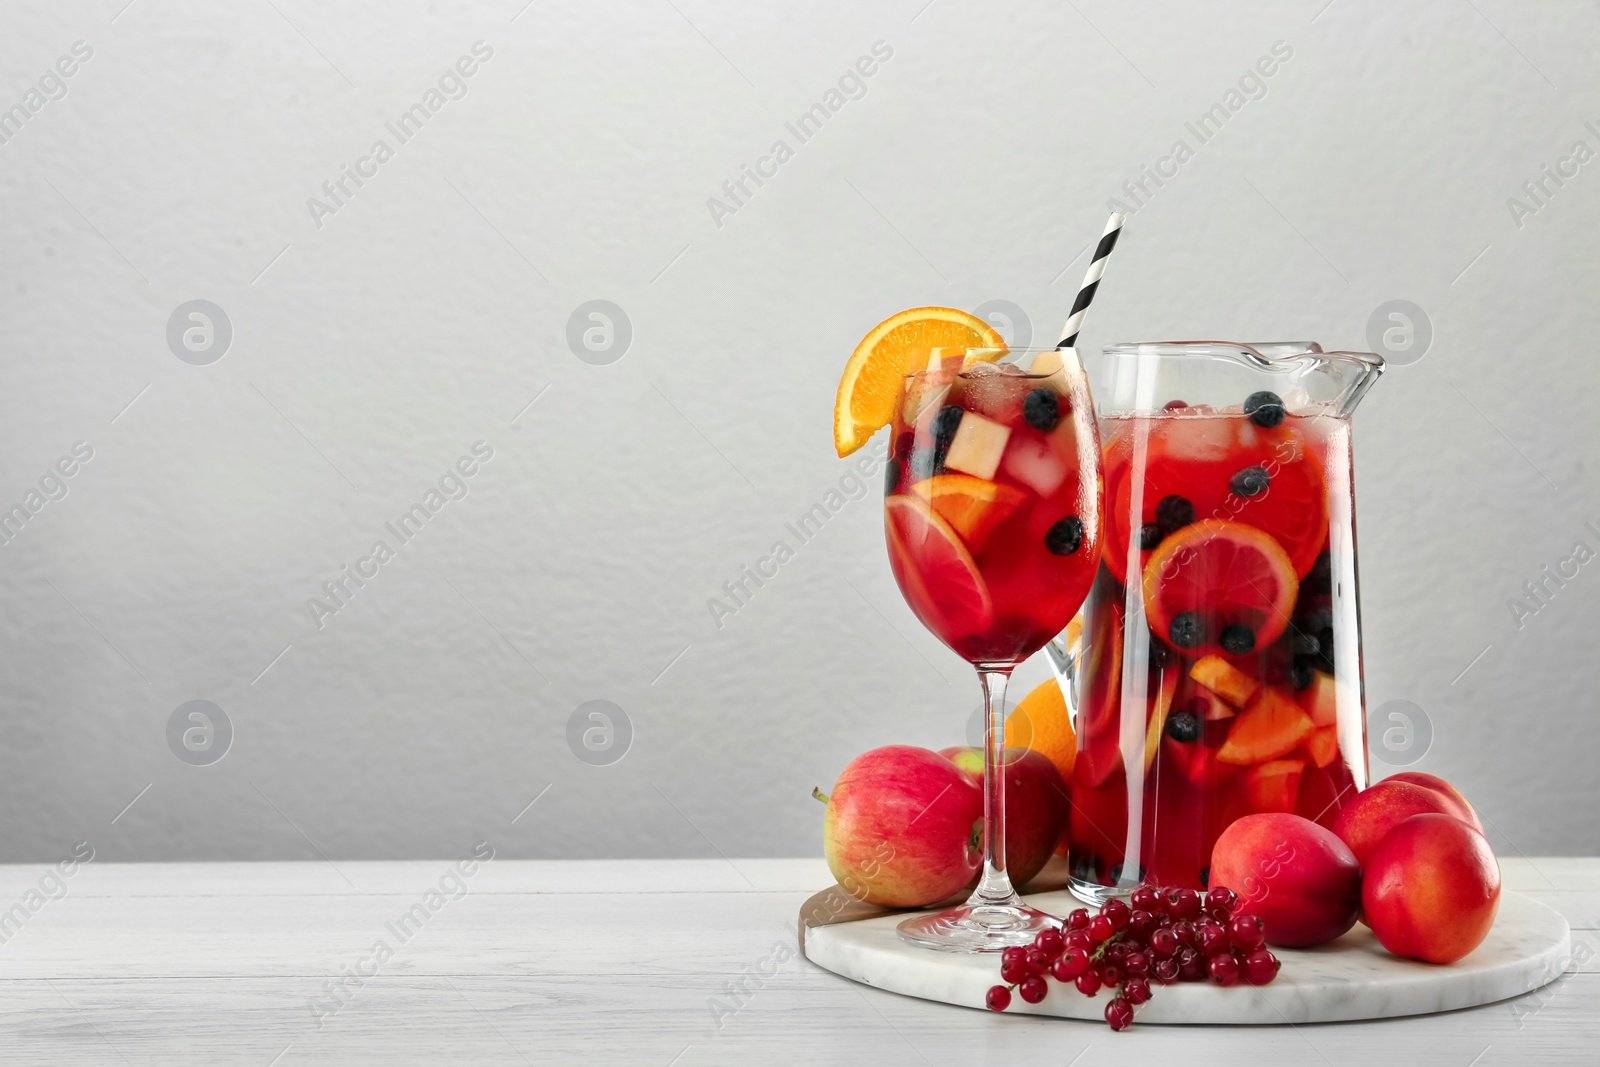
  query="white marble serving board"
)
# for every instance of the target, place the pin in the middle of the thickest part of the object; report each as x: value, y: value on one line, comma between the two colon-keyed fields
x: 1351, y: 978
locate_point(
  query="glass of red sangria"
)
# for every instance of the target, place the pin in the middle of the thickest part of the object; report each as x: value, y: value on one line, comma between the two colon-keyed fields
x: 992, y: 515
x: 1220, y: 667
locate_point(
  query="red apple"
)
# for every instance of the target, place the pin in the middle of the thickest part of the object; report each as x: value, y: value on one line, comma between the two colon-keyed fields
x: 1300, y: 879
x: 1375, y: 811
x: 1458, y: 803
x: 1037, y: 806
x: 1432, y: 889
x: 904, y: 827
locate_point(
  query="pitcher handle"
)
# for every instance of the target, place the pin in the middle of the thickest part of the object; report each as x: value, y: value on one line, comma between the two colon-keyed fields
x: 1064, y: 665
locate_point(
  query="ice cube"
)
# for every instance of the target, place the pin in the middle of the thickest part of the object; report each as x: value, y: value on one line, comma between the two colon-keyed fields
x: 1030, y: 460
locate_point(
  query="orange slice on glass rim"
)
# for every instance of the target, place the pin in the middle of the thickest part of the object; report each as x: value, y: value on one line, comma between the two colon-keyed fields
x: 1226, y: 574
x: 875, y: 376
x: 972, y: 506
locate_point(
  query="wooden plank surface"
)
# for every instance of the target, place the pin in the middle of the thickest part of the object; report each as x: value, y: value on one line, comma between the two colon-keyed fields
x: 596, y: 962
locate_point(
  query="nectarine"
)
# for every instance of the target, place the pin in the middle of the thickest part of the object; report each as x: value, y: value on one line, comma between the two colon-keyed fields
x: 1459, y: 806
x: 1432, y: 889
x: 1301, y: 880
x: 1375, y: 811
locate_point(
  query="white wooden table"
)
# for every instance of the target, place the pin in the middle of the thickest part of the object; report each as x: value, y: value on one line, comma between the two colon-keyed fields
x: 614, y: 962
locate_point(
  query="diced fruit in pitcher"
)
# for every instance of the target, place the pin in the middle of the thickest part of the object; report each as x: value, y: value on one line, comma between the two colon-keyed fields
x: 1322, y: 744
x: 1272, y: 726
x: 1219, y: 587
x: 1208, y: 705
x: 1224, y: 679
x: 1218, y: 466
x: 972, y: 506
x: 977, y: 446
x: 1321, y: 699
x: 941, y: 562
x: 1274, y: 785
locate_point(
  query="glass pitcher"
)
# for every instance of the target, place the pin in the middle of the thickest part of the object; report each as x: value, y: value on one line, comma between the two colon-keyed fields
x: 1219, y: 672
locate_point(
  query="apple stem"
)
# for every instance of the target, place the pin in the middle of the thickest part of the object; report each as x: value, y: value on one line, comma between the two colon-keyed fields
x: 817, y: 792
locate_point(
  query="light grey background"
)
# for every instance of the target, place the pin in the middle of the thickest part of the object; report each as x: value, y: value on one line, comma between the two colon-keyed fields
x: 431, y: 310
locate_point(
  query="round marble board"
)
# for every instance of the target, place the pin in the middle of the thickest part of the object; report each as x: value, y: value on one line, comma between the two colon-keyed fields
x: 1351, y: 978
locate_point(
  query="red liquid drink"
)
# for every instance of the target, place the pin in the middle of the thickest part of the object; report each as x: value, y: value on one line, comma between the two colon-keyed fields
x: 1221, y: 668
x: 992, y: 514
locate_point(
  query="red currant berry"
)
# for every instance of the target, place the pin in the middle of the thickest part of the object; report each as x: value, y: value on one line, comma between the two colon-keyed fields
x: 1069, y: 966
x: 1014, y: 971
x: 1140, y: 923
x: 1038, y: 962
x: 1137, y: 990
x: 1191, y: 965
x: 1221, y: 898
x: 1223, y: 970
x: 1077, y: 940
x: 1034, y: 989
x: 1260, y: 967
x: 1078, y: 918
x: 1049, y: 942
x: 1137, y: 964
x: 998, y: 998
x: 1111, y: 973
x: 1184, y: 931
x: 1117, y: 912
x: 1100, y: 928
x: 1184, y: 903
x: 1163, y: 943
x: 1119, y: 1013
x: 1088, y: 983
x: 1247, y: 931
x: 1116, y: 951
x: 1210, y: 938
x: 1015, y: 952
x: 1167, y: 971
x: 1145, y: 898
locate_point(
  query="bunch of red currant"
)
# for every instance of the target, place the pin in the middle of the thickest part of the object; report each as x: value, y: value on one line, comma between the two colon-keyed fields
x: 1161, y: 935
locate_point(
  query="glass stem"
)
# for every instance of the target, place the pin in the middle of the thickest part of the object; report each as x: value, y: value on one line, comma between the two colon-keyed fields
x: 995, y: 885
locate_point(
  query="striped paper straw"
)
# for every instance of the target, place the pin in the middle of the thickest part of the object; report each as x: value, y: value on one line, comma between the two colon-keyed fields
x: 1091, y: 280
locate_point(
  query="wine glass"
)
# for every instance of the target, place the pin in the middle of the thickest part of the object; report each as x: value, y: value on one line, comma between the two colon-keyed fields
x: 992, y: 514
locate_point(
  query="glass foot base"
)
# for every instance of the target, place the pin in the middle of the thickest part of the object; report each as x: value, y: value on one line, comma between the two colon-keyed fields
x: 1095, y: 894
x: 977, y: 928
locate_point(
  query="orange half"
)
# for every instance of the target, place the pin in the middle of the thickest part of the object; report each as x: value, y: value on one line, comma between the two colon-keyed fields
x: 1225, y: 572
x: 875, y: 376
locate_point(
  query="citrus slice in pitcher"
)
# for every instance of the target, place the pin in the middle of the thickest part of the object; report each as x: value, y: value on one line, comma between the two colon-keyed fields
x: 1219, y: 588
x: 1220, y: 466
x: 973, y: 507
x: 875, y: 375
x: 935, y: 571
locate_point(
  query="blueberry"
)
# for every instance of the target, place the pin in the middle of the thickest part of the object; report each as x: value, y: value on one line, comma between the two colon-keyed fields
x: 1187, y: 630
x: 1174, y: 513
x: 1041, y: 409
x: 1265, y: 408
x: 1320, y: 577
x: 945, y: 423
x: 1158, y: 655
x: 1237, y: 639
x: 1184, y: 726
x: 1205, y: 876
x: 1300, y: 673
x: 1065, y: 537
x: 1119, y: 870
x: 1325, y: 653
x: 1150, y: 536
x: 1249, y: 481
x: 891, y: 477
x: 1303, y: 644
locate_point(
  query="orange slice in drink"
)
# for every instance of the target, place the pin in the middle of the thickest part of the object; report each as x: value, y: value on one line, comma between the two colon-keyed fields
x: 1219, y: 588
x: 935, y: 571
x: 972, y: 506
x: 875, y: 376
